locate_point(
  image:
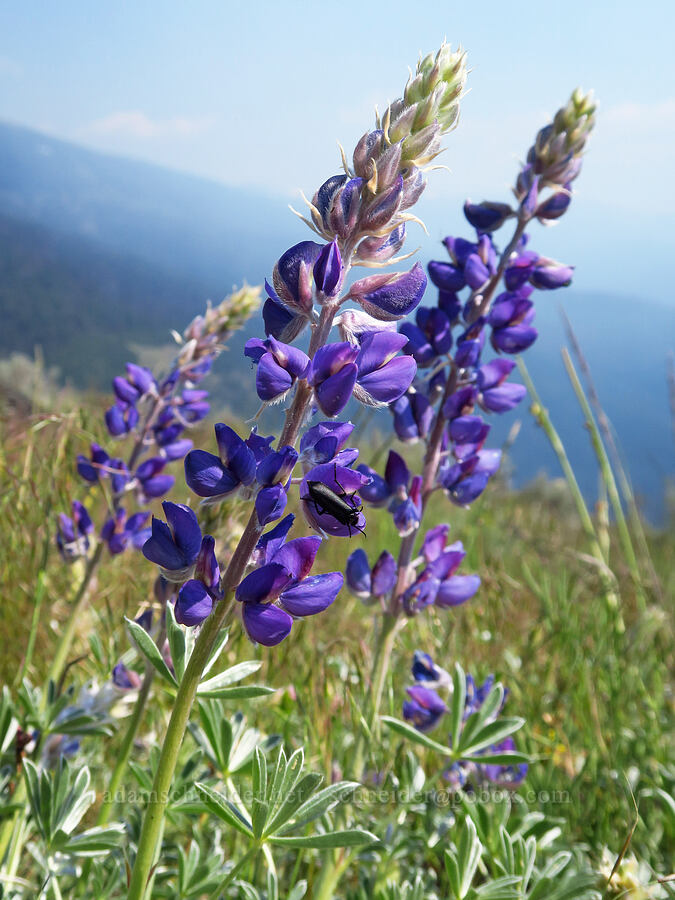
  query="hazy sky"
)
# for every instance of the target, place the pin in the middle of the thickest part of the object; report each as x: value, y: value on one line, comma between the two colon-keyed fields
x: 258, y: 93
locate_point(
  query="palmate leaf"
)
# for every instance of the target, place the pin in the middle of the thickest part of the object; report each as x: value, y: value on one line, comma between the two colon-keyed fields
x: 319, y: 804
x: 284, y: 800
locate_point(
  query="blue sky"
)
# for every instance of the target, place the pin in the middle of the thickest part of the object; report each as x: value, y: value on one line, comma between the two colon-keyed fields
x: 259, y: 93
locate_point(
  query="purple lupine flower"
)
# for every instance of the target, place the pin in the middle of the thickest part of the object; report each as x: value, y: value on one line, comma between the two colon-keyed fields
x: 439, y: 585
x: 119, y: 531
x: 289, y: 305
x: 196, y: 597
x: 390, y: 296
x: 547, y: 275
x: 190, y: 406
x: 430, y: 338
x: 293, y: 276
x: 401, y: 493
x: 495, y: 395
x: 121, y: 418
x: 381, y: 249
x: 511, y: 320
x: 365, y: 582
x: 175, y: 544
x: 463, y: 481
x: 282, y: 589
x: 138, y: 382
x: 345, y: 483
x: 425, y: 670
x: 278, y: 367
x: 169, y: 441
x: 407, y: 514
x: 504, y: 776
x: 125, y: 679
x: 119, y: 476
x: 72, y: 537
x: 216, y: 477
x: 434, y: 542
x: 271, y: 473
x: 413, y: 415
x: 487, y: 216
x: 151, y: 480
x: 328, y: 269
x: 383, y: 376
x: 468, y: 434
x: 554, y: 206
x: 332, y: 373
x: 425, y: 708
x: 96, y: 466
x: 271, y: 541
x: 519, y: 269
x: 325, y: 442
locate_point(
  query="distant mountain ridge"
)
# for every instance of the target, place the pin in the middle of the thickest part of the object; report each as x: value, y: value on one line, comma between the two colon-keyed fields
x: 190, y: 226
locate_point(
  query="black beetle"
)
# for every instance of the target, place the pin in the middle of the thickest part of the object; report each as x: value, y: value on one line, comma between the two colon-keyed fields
x: 326, y: 500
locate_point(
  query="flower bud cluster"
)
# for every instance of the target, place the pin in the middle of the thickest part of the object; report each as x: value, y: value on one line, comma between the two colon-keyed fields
x: 554, y: 160
x: 366, y: 208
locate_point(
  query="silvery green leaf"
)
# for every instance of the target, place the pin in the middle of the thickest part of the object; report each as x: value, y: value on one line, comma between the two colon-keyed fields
x: 508, y: 758
x: 147, y: 648
x: 458, y: 703
x: 351, y: 837
x: 502, y: 889
x: 408, y: 731
x: 492, y: 733
x: 300, y: 791
x: 177, y: 642
x: 218, y: 648
x: 259, y: 775
x: 237, y: 692
x: 298, y: 892
x: 488, y: 710
x: 8, y: 723
x: 221, y: 807
x: 259, y: 811
x: 230, y: 676
x: 92, y: 842
x: 469, y: 853
x: 320, y: 803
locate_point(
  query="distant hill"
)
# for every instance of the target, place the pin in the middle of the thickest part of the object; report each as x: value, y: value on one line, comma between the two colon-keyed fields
x: 192, y: 227
x: 82, y: 304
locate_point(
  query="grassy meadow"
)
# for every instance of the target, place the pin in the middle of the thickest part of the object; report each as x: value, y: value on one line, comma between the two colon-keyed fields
x: 584, y: 646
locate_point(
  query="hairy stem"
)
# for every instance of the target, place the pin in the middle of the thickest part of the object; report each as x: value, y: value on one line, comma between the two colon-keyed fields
x: 187, y: 691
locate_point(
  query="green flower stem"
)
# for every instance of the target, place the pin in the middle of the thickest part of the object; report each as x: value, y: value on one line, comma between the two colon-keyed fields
x: 68, y: 630
x: 543, y: 419
x: 187, y: 690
